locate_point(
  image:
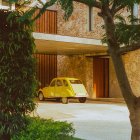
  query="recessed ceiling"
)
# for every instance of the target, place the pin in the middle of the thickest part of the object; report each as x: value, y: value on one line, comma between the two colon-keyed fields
x: 58, y: 47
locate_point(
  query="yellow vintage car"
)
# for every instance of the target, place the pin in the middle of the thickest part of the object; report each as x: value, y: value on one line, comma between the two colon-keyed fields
x: 64, y: 88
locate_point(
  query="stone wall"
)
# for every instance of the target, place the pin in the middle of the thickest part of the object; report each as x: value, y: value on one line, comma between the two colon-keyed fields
x: 77, y: 66
x: 132, y: 66
x: 114, y: 89
x: 77, y: 25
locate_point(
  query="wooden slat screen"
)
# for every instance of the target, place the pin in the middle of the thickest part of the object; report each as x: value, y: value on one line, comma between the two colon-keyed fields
x: 46, y: 68
x: 47, y: 23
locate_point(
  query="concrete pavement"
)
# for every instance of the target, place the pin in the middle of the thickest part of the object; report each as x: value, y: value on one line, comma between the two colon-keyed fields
x: 93, y: 120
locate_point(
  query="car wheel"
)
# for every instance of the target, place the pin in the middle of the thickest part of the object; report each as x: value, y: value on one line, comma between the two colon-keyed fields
x: 82, y: 99
x: 40, y: 96
x: 64, y: 100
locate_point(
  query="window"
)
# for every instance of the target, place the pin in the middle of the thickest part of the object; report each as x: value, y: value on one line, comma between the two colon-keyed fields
x: 65, y: 83
x: 135, y: 10
x: 59, y: 83
x: 135, y: 13
x: 75, y: 82
x: 90, y: 19
x: 52, y: 83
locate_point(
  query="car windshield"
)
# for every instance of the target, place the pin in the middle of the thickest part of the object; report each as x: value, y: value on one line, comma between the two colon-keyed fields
x: 75, y: 82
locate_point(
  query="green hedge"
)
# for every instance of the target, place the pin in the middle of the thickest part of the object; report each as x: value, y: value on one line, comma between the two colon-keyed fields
x: 17, y: 72
x: 42, y: 129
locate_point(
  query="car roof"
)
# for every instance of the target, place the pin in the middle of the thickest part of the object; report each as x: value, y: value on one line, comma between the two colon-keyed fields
x: 66, y: 78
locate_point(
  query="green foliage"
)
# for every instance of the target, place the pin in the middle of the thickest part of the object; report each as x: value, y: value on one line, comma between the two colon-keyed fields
x: 127, y: 30
x: 17, y: 72
x: 41, y: 129
x: 67, y: 6
x: 126, y: 3
x: 45, y: 6
x: 127, y: 34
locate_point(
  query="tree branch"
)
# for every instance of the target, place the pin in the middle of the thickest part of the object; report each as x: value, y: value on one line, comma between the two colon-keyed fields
x: 91, y: 3
x: 113, y: 6
x: 129, y: 48
x: 118, y: 9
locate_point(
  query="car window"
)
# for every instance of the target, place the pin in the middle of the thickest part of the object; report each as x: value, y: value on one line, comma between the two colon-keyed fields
x: 59, y: 83
x: 65, y: 83
x: 52, y: 83
x: 75, y: 82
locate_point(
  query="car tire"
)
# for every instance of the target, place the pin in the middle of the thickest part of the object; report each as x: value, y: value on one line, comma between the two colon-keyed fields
x: 40, y: 96
x: 82, y: 99
x: 64, y: 100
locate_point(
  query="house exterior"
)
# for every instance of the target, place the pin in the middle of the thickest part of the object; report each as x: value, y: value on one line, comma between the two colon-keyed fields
x: 73, y: 48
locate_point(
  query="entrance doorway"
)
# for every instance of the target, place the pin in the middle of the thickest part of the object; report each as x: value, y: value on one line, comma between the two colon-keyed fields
x: 101, y: 77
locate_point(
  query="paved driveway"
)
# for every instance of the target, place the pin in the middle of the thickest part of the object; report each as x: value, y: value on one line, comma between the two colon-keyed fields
x: 92, y: 120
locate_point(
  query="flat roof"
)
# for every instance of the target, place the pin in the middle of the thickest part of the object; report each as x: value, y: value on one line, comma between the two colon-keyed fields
x: 58, y: 44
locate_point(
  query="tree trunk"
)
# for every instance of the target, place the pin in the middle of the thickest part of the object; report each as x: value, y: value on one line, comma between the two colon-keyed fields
x: 5, y: 137
x: 135, y: 120
x: 114, y: 48
x: 133, y: 103
x: 122, y: 79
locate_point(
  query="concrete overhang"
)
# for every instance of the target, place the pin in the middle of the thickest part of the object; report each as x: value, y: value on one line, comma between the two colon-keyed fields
x: 58, y: 44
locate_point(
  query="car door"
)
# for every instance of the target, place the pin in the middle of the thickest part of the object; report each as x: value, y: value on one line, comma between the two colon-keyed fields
x: 50, y: 91
x: 58, y: 88
x: 67, y: 91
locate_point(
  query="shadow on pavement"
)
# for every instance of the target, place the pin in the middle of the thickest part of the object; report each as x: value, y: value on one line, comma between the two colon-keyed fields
x: 70, y: 138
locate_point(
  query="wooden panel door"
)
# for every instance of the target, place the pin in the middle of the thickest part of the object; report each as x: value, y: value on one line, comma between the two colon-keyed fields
x: 101, y: 77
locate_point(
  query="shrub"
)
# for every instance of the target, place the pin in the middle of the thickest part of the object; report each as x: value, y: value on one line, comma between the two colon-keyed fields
x: 17, y: 72
x: 42, y: 129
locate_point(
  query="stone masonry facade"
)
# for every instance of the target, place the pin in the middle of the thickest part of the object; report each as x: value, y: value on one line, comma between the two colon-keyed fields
x: 77, y: 66
x: 78, y: 23
x: 132, y: 66
x: 82, y: 67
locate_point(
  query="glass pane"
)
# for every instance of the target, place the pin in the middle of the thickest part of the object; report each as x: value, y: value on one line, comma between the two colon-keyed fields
x: 65, y: 83
x: 75, y: 82
x: 53, y: 83
x: 59, y: 83
x: 136, y: 10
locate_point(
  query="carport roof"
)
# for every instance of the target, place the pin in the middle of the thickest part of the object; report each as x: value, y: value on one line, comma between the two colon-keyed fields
x: 58, y: 44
